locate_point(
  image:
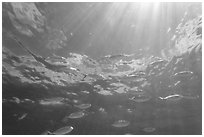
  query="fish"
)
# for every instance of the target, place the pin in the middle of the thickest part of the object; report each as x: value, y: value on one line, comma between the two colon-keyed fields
x: 169, y: 29
x: 174, y: 97
x: 157, y: 62
x: 76, y: 115
x: 46, y: 102
x: 173, y: 38
x: 86, y: 92
x: 28, y: 100
x: 52, y: 101
x: 177, y: 83
x: 177, y: 97
x: 23, y: 116
x: 63, y: 131
x: 83, y: 106
x: 184, y: 73
x: 121, y: 123
x: 16, y: 100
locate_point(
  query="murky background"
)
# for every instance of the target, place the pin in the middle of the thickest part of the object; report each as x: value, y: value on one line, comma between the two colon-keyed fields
x: 102, y: 68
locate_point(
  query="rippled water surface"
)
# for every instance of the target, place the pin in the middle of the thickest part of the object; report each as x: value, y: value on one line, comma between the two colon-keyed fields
x: 119, y: 94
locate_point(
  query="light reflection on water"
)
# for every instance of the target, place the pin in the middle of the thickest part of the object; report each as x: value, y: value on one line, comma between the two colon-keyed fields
x: 117, y: 94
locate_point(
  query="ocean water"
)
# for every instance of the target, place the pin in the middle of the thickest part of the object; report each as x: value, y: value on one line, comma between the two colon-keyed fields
x: 178, y: 116
x: 153, y: 104
x: 114, y: 95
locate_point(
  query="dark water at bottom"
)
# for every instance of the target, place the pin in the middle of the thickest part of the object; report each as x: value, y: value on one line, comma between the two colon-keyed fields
x: 151, y: 117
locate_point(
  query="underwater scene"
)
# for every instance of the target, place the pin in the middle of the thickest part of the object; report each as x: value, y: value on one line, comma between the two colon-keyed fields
x: 101, y: 68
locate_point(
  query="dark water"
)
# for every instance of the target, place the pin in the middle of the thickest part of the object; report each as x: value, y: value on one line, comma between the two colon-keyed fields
x: 114, y: 95
x: 49, y: 109
x: 177, y: 117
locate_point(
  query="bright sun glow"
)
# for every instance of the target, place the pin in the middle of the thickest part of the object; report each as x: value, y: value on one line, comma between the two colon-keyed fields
x: 131, y: 20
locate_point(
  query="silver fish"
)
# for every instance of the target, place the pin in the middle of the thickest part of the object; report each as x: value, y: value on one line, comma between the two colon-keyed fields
x: 183, y: 73
x: 174, y: 97
x: 16, y: 100
x: 121, y: 123
x: 52, y: 101
x: 23, y: 116
x: 63, y: 130
x: 83, y: 106
x: 86, y: 92
x: 76, y: 115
